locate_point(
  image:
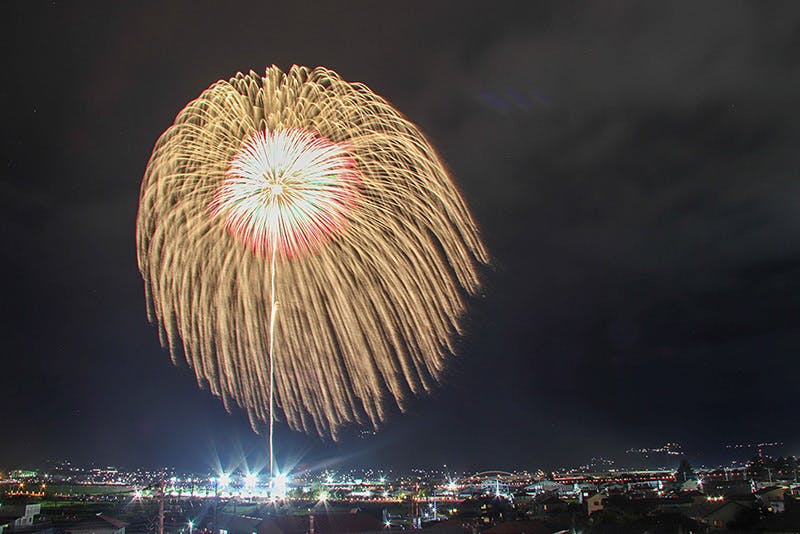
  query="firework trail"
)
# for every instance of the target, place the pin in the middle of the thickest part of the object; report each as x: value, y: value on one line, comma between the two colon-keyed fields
x: 298, y: 236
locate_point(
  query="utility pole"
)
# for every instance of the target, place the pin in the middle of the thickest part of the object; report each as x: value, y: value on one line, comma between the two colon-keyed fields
x: 161, y: 491
x: 216, y: 503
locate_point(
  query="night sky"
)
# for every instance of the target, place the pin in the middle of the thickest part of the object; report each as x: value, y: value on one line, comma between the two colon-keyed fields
x: 633, y: 168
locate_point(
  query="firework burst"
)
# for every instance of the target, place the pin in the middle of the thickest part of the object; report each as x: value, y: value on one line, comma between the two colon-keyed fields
x: 303, y: 193
x: 289, y: 189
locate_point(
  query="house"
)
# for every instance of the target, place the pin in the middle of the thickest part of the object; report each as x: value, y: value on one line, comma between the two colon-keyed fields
x: 548, y: 504
x: 519, y: 527
x: 692, y: 484
x: 322, y: 523
x: 15, y: 517
x: 99, y: 524
x: 723, y: 515
x: 771, y: 498
x: 784, y: 522
x: 727, y: 488
x: 717, y: 514
x: 450, y: 526
x: 237, y: 524
x: 594, y: 503
x: 547, y: 486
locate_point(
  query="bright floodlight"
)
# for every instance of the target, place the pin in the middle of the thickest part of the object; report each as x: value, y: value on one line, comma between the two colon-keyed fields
x: 224, y: 479
x: 279, y: 486
x: 250, y: 480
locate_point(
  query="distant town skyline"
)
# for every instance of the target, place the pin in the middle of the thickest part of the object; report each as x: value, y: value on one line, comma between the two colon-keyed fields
x: 667, y: 456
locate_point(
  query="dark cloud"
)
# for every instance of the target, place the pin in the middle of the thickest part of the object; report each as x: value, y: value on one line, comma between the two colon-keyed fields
x: 633, y: 168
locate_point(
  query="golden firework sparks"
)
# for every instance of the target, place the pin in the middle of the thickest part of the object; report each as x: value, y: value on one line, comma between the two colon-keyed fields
x: 305, y: 193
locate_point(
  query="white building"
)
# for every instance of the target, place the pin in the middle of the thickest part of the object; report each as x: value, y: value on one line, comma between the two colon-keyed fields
x: 13, y: 516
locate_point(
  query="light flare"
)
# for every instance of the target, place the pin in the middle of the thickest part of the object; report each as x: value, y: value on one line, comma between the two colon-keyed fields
x: 279, y: 486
